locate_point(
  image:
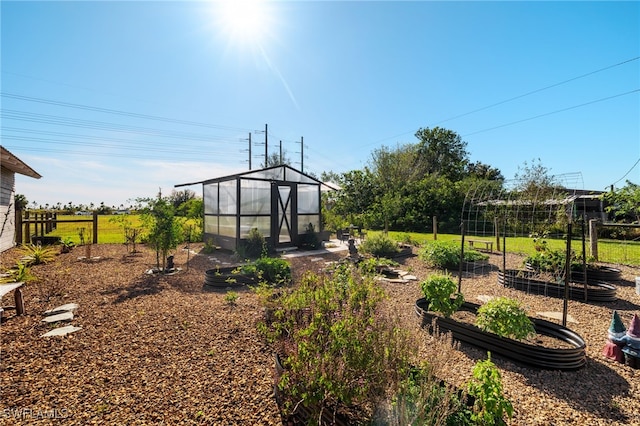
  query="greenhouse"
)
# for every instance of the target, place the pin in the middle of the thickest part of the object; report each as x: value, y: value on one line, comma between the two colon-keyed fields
x: 282, y: 203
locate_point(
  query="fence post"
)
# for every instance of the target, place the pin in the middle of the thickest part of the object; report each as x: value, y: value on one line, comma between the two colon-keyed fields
x: 95, y: 227
x: 435, y: 228
x: 497, y: 232
x: 18, y: 236
x: 593, y: 238
x: 27, y: 227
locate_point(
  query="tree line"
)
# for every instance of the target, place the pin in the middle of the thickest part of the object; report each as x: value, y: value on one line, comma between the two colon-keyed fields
x: 403, y: 188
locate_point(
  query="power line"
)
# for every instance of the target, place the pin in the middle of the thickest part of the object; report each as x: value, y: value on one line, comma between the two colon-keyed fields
x: 539, y: 90
x: 118, y: 112
x: 552, y: 112
x: 514, y: 98
x: 625, y: 175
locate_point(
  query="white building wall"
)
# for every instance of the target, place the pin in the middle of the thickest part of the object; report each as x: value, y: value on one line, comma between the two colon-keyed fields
x: 7, y: 209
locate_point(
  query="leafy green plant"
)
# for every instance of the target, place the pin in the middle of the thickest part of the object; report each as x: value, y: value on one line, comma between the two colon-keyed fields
x: 67, y: 244
x: 253, y: 246
x: 35, y: 254
x: 309, y: 239
x: 342, y: 349
x: 423, y: 399
x: 372, y: 265
x: 231, y: 298
x: 490, y: 404
x: 21, y: 273
x: 441, y: 293
x: 505, y: 317
x: 164, y: 231
x: 209, y: 246
x: 379, y: 245
x: 273, y: 270
x: 446, y: 254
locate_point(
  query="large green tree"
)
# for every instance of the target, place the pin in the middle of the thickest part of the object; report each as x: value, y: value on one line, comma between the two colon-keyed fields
x: 441, y: 151
x: 624, y: 203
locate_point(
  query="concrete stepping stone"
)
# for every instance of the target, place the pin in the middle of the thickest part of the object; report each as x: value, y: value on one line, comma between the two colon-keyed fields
x: 61, y: 331
x: 484, y: 298
x: 410, y: 277
x: 64, y: 316
x: 556, y: 316
x: 69, y: 307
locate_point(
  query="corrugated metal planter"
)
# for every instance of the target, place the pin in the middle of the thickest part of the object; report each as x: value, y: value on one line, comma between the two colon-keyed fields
x: 537, y: 356
x: 597, y: 291
x: 227, y: 277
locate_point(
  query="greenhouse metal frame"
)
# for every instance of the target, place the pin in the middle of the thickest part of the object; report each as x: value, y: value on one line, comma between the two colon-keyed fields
x: 282, y: 203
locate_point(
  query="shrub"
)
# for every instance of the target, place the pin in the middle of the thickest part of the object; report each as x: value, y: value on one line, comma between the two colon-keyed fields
x: 446, y: 254
x: 343, y: 351
x: 379, y: 245
x: 309, y: 239
x: 254, y: 245
x: 36, y: 254
x: 441, y: 293
x: 273, y: 270
x: 505, y: 317
x: 21, y: 273
x: 486, y: 387
x: 231, y: 298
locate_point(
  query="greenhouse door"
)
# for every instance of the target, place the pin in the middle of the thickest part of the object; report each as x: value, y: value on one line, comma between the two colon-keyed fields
x: 282, y: 220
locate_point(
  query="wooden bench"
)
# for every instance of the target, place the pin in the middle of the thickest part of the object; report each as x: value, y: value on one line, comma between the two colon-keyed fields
x: 488, y: 245
x: 17, y: 296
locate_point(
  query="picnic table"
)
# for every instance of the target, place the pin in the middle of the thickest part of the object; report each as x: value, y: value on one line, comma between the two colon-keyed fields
x: 17, y: 296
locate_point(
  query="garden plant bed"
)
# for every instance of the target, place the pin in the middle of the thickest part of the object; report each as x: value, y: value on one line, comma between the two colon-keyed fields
x: 157, y: 349
x: 600, y: 273
x: 227, y: 277
x: 529, y: 281
x: 567, y: 354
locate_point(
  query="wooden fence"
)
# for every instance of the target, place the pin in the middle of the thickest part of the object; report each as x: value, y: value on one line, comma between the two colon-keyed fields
x: 44, y: 223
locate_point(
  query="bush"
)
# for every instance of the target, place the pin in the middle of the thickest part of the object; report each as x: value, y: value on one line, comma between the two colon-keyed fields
x: 446, y: 254
x: 273, y: 270
x: 309, y: 239
x: 35, y: 254
x: 342, y: 350
x: 486, y: 387
x: 254, y: 246
x: 379, y: 245
x: 441, y: 293
x: 505, y: 317
x: 21, y: 273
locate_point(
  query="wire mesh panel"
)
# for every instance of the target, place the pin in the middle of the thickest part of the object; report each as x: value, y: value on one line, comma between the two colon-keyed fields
x: 535, y: 218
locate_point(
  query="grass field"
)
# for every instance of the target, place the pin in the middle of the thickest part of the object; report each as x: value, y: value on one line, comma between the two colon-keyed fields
x: 109, y: 232
x: 609, y: 251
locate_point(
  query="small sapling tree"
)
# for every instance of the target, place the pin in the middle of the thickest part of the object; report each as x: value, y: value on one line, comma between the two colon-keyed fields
x: 164, y: 231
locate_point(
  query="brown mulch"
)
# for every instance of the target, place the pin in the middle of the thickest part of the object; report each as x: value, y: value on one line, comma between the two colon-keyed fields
x: 159, y: 349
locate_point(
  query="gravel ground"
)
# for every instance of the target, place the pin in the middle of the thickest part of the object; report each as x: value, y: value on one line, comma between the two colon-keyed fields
x: 158, y: 349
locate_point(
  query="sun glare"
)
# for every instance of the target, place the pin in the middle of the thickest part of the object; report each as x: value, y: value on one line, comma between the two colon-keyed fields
x: 244, y: 21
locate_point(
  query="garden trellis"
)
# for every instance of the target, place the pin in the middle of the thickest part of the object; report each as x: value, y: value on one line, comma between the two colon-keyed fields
x: 536, y: 214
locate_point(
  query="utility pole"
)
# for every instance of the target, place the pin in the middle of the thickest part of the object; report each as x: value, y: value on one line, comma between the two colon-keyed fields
x: 266, y: 140
x: 301, y: 154
x: 249, y: 150
x: 280, y: 152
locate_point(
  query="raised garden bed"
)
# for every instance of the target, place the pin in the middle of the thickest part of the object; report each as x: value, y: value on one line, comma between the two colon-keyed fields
x: 528, y: 281
x: 227, y: 277
x: 600, y: 273
x: 570, y: 357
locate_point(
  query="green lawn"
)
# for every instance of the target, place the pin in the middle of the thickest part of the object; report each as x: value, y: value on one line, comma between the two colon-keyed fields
x: 108, y: 231
x: 609, y: 251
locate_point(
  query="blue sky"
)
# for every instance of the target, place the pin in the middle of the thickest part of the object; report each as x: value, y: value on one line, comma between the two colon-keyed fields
x: 110, y: 101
